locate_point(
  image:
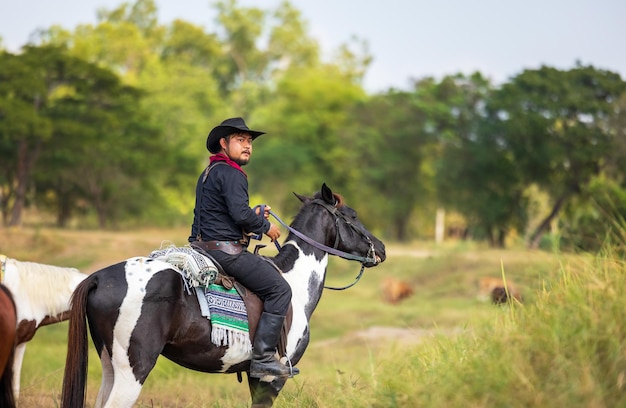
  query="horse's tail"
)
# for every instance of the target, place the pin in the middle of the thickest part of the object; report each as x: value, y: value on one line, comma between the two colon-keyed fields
x: 75, y: 376
x: 7, y: 398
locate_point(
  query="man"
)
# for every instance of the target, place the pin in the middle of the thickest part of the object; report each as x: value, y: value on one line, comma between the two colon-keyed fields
x: 222, y: 222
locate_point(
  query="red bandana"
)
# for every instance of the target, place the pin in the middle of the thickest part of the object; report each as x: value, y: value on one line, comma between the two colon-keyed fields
x: 223, y: 157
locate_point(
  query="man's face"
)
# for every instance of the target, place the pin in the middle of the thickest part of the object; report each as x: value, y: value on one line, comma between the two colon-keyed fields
x: 238, y: 147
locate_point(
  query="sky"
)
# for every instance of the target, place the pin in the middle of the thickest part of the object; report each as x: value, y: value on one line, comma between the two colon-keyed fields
x: 408, y: 39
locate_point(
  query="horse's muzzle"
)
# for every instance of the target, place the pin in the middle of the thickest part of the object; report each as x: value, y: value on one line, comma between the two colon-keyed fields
x: 377, y: 260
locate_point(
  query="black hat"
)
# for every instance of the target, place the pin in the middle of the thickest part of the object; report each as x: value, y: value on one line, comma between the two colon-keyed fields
x: 228, y: 127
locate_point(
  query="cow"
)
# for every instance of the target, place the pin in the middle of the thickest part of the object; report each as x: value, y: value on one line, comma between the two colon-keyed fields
x: 394, y: 290
x: 497, y: 290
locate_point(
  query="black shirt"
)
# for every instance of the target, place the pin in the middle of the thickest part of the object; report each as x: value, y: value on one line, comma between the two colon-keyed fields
x: 222, y: 208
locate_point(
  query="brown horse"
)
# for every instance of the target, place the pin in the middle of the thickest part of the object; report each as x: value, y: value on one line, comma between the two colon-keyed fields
x: 138, y: 309
x: 8, y: 322
x: 42, y: 295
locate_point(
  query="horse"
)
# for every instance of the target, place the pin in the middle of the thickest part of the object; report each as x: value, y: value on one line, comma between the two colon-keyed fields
x: 138, y: 309
x: 42, y: 294
x: 8, y: 321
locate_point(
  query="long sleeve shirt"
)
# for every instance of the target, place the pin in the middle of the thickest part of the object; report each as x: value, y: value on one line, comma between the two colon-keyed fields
x: 222, y: 211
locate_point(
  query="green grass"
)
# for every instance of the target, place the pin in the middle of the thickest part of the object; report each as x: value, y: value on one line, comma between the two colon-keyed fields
x: 564, y: 346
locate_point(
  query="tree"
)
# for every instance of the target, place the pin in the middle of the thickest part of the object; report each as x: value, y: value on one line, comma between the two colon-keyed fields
x: 306, y: 118
x: 555, y: 125
x: 30, y: 83
x: 390, y: 138
x: 85, y: 132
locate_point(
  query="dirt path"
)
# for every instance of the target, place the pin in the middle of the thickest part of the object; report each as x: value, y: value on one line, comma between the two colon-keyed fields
x: 377, y: 334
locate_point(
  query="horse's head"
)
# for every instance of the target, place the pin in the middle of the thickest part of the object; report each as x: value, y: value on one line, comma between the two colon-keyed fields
x: 342, y: 229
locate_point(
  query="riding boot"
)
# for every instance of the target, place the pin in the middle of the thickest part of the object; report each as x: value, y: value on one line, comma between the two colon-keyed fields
x: 264, y: 361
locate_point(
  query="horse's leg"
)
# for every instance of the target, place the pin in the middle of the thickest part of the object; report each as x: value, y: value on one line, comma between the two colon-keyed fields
x: 137, y: 339
x: 125, y: 387
x: 264, y: 393
x: 18, y: 359
x: 107, y: 379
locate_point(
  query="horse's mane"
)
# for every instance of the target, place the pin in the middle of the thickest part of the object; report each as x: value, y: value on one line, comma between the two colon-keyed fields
x: 46, y: 285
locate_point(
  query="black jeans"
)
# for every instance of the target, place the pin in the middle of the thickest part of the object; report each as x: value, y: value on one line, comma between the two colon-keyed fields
x: 258, y: 276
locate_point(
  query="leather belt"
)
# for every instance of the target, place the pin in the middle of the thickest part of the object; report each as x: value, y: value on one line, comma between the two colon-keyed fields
x: 229, y: 247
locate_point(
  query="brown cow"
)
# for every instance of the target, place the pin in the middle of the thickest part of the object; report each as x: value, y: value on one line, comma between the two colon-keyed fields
x: 394, y: 290
x: 495, y: 289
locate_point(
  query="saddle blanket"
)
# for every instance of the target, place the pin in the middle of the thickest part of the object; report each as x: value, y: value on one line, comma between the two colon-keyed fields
x: 225, y: 308
x: 229, y: 318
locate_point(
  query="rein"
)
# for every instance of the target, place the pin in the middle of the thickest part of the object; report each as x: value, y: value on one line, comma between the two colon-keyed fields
x: 333, y: 251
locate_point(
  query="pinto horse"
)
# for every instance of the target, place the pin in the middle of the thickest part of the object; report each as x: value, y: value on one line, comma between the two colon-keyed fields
x: 42, y: 294
x: 8, y: 319
x: 139, y: 309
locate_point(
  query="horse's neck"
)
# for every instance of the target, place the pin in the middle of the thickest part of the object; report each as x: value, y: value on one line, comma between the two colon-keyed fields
x: 306, y: 277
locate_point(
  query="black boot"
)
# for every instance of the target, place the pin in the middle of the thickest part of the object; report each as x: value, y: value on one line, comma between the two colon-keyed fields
x: 264, y: 360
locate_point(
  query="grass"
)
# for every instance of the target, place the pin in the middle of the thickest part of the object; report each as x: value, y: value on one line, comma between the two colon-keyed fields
x: 441, y: 347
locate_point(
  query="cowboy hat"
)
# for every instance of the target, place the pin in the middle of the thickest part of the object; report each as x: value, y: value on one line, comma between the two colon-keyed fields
x: 228, y: 127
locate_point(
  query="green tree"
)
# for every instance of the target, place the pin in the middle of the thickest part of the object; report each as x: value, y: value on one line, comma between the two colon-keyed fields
x: 555, y: 125
x: 616, y: 164
x: 595, y: 218
x: 476, y: 176
x: 30, y: 83
x: 85, y: 132
x: 306, y: 120
x: 395, y: 135
x: 390, y: 138
x: 101, y: 152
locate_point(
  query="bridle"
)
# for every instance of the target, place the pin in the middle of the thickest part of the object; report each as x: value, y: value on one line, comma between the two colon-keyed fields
x: 371, y: 254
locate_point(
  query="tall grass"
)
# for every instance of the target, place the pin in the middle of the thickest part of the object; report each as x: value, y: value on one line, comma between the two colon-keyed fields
x: 566, y: 349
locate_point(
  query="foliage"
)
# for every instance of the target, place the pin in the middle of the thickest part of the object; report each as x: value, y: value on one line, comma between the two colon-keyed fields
x: 596, y: 217
x: 84, y: 113
x: 457, y: 144
x: 475, y: 174
x: 554, y: 126
x: 391, y: 137
x: 313, y: 104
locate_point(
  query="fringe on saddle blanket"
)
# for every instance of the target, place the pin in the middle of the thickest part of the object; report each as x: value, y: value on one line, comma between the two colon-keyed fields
x: 224, y: 307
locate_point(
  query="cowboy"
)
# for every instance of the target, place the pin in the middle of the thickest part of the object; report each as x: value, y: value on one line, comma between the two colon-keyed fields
x: 222, y: 222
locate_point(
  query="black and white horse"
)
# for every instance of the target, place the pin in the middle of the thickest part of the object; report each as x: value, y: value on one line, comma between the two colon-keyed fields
x: 42, y: 297
x: 139, y: 309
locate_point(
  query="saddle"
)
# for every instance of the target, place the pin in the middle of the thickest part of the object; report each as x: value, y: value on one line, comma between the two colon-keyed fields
x: 253, y: 304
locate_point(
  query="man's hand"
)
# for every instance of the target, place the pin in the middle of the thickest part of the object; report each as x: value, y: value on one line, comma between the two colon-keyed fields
x: 273, y: 233
x: 266, y: 211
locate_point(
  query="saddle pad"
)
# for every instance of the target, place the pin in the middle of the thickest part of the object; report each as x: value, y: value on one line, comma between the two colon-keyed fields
x: 229, y: 318
x: 197, y: 269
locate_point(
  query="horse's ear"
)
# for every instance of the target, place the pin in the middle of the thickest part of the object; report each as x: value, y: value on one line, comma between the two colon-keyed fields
x: 301, y: 198
x: 327, y: 195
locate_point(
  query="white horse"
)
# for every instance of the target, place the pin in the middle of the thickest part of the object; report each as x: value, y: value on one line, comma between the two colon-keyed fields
x: 42, y: 294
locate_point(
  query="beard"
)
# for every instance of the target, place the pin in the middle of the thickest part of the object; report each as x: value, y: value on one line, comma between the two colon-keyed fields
x: 241, y: 162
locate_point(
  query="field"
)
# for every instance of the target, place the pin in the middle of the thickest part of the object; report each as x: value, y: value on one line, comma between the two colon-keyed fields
x: 440, y: 347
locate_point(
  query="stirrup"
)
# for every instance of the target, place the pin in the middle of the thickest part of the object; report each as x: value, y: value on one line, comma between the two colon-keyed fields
x: 292, y: 370
x: 280, y: 370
